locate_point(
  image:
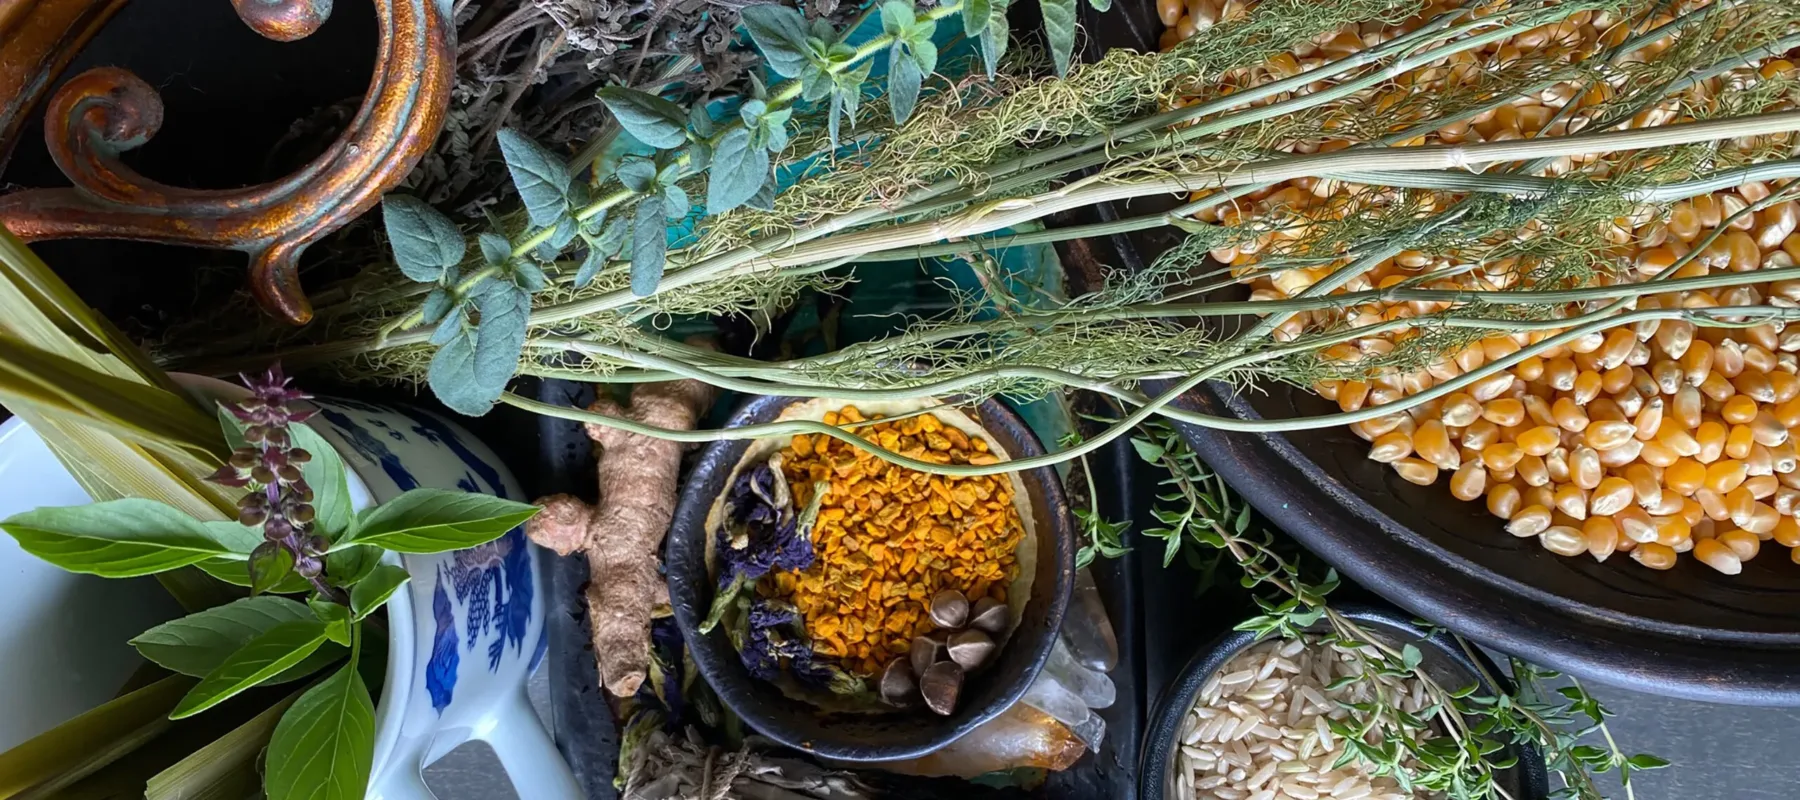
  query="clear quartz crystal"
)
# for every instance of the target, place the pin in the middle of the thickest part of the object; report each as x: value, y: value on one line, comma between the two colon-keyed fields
x: 1094, y: 688
x: 1047, y: 694
x: 1087, y: 628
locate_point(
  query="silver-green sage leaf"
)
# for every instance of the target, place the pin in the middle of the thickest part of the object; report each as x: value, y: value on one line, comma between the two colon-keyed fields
x: 904, y: 81
x: 780, y: 33
x: 1059, y: 31
x: 739, y: 169
x: 540, y: 176
x: 649, y: 247
x: 425, y: 241
x: 500, y: 338
x: 651, y: 119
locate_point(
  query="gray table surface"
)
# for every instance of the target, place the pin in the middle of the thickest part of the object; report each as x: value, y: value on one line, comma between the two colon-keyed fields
x: 1720, y: 752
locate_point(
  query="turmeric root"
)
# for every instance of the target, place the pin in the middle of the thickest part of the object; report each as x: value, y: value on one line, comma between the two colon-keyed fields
x: 623, y: 532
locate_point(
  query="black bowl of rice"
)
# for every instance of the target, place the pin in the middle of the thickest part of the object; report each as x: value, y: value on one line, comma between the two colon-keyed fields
x: 1246, y: 719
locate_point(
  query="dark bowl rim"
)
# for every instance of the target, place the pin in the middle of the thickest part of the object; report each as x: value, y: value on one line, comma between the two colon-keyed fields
x: 1059, y: 527
x: 1367, y: 546
x: 1164, y: 722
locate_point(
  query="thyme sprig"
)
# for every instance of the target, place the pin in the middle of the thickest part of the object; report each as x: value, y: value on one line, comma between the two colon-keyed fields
x: 1459, y: 745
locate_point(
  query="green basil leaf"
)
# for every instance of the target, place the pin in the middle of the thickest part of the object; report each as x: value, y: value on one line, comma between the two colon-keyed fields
x: 232, y: 427
x: 649, y: 247
x: 236, y: 571
x: 452, y: 378
x: 242, y: 539
x: 269, y: 654
x: 1059, y: 31
x: 270, y: 564
x: 975, y: 16
x: 540, y: 176
x: 326, y: 476
x: 335, y: 616
x: 739, y: 170
x: 495, y: 249
x: 505, y: 314
x: 435, y: 521
x: 198, y: 643
x: 780, y: 33
x: 437, y: 304
x: 904, y: 80
x: 653, y: 120
x: 324, y: 746
x: 115, y: 539
x: 425, y: 241
x: 375, y: 590
x: 349, y: 566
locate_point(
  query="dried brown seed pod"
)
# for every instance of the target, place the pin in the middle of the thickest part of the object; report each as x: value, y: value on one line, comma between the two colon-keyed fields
x: 897, y: 685
x: 971, y: 649
x: 949, y: 609
x: 990, y: 615
x: 940, y: 686
x: 926, y: 651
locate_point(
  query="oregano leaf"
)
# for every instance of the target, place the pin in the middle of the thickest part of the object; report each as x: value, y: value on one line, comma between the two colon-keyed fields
x: 904, y: 80
x: 739, y: 170
x: 652, y: 120
x: 649, y: 248
x: 1059, y: 31
x: 425, y: 242
x: 539, y: 174
x: 780, y: 33
x: 495, y: 249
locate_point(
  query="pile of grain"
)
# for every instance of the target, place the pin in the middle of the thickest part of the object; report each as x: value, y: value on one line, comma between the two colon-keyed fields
x: 1258, y: 729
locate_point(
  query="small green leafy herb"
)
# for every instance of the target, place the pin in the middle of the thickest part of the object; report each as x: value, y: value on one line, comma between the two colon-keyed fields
x: 324, y: 746
x: 425, y: 242
x: 1459, y: 748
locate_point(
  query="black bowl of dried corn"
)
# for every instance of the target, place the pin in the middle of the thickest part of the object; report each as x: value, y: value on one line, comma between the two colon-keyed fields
x: 1620, y: 507
x: 861, y: 610
x: 1253, y: 717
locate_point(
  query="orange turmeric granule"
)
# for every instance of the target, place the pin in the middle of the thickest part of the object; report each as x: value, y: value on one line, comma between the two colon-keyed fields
x: 889, y: 538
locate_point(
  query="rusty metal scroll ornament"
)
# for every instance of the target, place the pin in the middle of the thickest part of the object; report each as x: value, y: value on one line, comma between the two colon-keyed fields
x: 105, y: 111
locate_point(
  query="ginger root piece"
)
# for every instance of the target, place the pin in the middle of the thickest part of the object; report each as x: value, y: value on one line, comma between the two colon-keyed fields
x: 623, y: 533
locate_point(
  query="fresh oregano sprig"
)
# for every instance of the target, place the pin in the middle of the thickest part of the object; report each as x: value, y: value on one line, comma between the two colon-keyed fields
x: 1457, y: 746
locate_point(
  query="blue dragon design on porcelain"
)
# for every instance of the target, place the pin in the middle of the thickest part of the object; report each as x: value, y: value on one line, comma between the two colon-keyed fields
x: 492, y: 583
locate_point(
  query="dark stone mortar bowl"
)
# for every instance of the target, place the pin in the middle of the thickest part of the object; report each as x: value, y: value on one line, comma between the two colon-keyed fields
x: 870, y: 737
x: 1445, y: 661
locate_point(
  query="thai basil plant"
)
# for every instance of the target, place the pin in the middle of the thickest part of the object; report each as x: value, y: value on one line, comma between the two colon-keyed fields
x: 314, y: 571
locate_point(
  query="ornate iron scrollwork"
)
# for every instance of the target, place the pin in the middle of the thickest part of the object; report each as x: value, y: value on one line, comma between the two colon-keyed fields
x: 105, y: 111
